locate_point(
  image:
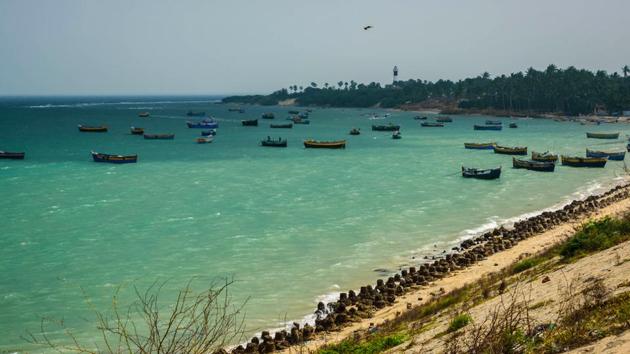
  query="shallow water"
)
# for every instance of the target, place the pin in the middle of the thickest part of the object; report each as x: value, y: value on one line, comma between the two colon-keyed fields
x: 290, y: 225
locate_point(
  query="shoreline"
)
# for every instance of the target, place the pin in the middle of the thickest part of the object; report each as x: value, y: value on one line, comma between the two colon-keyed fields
x: 373, y: 305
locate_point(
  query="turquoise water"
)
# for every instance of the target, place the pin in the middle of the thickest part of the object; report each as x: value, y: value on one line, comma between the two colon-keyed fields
x: 290, y: 225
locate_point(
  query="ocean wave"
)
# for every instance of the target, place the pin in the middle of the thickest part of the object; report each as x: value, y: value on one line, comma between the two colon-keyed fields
x: 91, y: 104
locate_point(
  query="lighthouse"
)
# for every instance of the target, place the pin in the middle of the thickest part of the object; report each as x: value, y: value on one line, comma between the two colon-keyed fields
x: 395, y: 74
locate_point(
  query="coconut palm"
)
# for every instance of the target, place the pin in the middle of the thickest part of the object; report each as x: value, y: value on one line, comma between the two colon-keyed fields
x: 625, y: 70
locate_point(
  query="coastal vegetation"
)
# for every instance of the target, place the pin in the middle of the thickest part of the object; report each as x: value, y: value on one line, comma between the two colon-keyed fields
x: 569, y: 91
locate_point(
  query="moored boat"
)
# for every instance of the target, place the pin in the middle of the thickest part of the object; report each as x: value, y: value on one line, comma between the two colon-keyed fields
x: 294, y: 112
x: 89, y: 129
x: 144, y: 114
x: 268, y: 115
x: 487, y: 127
x: 508, y: 150
x: 159, y: 136
x: 602, y: 135
x: 137, y: 130
x: 204, y: 139
x: 355, y: 131
x: 420, y: 118
x: 431, y: 125
x: 494, y: 122
x: 195, y: 114
x: 99, y: 157
x: 299, y: 120
x: 273, y: 142
x: 250, y: 123
x: 611, y: 155
x: 211, y: 132
x: 207, y: 123
x: 544, y: 156
x: 480, y: 146
x: 12, y: 155
x: 281, y: 126
x: 444, y: 119
x: 492, y: 173
x: 339, y: 144
x: 513, y: 125
x: 386, y: 128
x: 575, y: 161
x: 396, y: 135
x: 533, y: 165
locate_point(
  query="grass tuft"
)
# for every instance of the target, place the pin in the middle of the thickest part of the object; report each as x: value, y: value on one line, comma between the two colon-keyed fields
x: 459, y: 321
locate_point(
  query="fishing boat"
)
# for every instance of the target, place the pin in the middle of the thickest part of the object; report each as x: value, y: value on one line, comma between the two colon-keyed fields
x: 611, y: 155
x: 494, y: 122
x: 250, y: 123
x: 143, y: 114
x: 544, y: 156
x: 207, y: 123
x: 340, y: 144
x: 137, y: 131
x: 303, y: 115
x: 628, y: 147
x: 533, y: 165
x: 195, y: 114
x: 444, y: 119
x: 386, y: 128
x: 488, y: 127
x: 268, y: 115
x: 506, y: 150
x: 273, y: 142
x: 204, y: 139
x: 513, y: 125
x: 294, y: 112
x: 281, y: 126
x: 396, y: 135
x: 298, y: 120
x: 12, y: 155
x: 99, y: 157
x: 239, y: 110
x: 492, y: 173
x: 431, y: 125
x: 88, y: 129
x: 159, y: 136
x: 602, y: 135
x: 355, y: 131
x: 211, y: 132
x: 419, y: 118
x: 480, y: 146
x: 583, y: 161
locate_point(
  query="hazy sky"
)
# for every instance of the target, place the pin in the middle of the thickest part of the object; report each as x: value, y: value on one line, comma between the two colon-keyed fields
x: 250, y: 46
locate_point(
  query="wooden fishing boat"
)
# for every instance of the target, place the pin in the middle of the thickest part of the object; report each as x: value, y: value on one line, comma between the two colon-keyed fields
x: 492, y: 173
x: 386, y: 128
x: 99, y: 157
x: 294, y: 112
x: 396, y: 135
x: 281, y: 126
x: 355, y: 131
x: 12, y: 155
x: 195, y: 114
x: 611, y: 155
x: 488, y: 127
x: 544, y: 156
x: 204, y: 139
x: 507, y: 150
x: 583, y: 161
x: 88, y: 129
x: 533, y: 165
x: 207, y: 123
x: 513, y: 125
x: 211, y: 132
x: 298, y: 120
x: 137, y: 131
x: 268, y: 115
x: 444, y: 119
x: 419, y: 118
x: 144, y: 114
x: 250, y: 123
x: 273, y: 142
x: 303, y: 115
x: 602, y: 135
x: 480, y: 146
x: 340, y: 144
x: 239, y: 110
x: 159, y: 136
x: 431, y: 125
x: 494, y: 122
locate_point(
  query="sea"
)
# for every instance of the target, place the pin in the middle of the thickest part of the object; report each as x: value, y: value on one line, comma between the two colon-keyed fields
x: 290, y: 226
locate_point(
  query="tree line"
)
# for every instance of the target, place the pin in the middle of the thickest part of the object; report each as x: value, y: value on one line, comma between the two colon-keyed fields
x: 568, y: 91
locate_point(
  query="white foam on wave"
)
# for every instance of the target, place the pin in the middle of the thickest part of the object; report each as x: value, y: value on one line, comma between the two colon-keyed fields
x: 91, y: 104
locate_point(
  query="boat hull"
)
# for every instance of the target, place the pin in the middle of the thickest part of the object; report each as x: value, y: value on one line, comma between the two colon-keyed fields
x: 583, y: 161
x: 159, y: 136
x: 534, y: 165
x: 117, y: 159
x: 273, y: 143
x: 602, y: 135
x: 312, y: 144
x: 12, y: 155
x: 544, y: 157
x: 385, y: 128
x: 487, y: 127
x: 614, y: 156
x: 480, y: 146
x: 432, y: 125
x: 493, y: 173
x: 510, y: 150
x: 281, y: 126
x: 250, y: 123
x: 85, y: 129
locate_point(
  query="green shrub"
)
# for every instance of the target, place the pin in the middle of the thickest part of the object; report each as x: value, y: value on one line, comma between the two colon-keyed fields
x: 596, y: 236
x: 526, y: 264
x: 460, y: 321
x: 372, y: 345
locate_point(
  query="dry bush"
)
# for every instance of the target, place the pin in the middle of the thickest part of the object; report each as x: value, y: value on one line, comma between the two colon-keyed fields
x: 196, y: 323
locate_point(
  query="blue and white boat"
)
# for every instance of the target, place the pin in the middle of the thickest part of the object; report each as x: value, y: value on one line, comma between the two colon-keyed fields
x: 207, y: 123
x: 611, y: 155
x: 211, y: 132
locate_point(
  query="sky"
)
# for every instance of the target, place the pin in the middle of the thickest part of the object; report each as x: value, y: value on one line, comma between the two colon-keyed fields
x: 117, y: 47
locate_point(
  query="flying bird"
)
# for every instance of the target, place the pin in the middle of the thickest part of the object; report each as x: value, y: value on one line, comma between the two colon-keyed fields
x: 367, y: 28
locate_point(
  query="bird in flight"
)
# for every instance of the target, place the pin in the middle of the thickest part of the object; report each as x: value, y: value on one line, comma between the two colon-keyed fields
x: 367, y: 28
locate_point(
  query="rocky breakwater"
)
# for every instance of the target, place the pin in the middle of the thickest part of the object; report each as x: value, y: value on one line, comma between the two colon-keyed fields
x: 354, y: 307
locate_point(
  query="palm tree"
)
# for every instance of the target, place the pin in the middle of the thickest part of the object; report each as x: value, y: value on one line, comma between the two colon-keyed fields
x: 346, y: 85
x: 301, y: 88
x: 326, y: 85
x: 313, y: 85
x: 625, y: 70
x: 340, y: 84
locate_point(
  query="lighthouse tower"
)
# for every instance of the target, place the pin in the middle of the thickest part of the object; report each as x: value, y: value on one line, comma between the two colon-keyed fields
x: 395, y: 74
